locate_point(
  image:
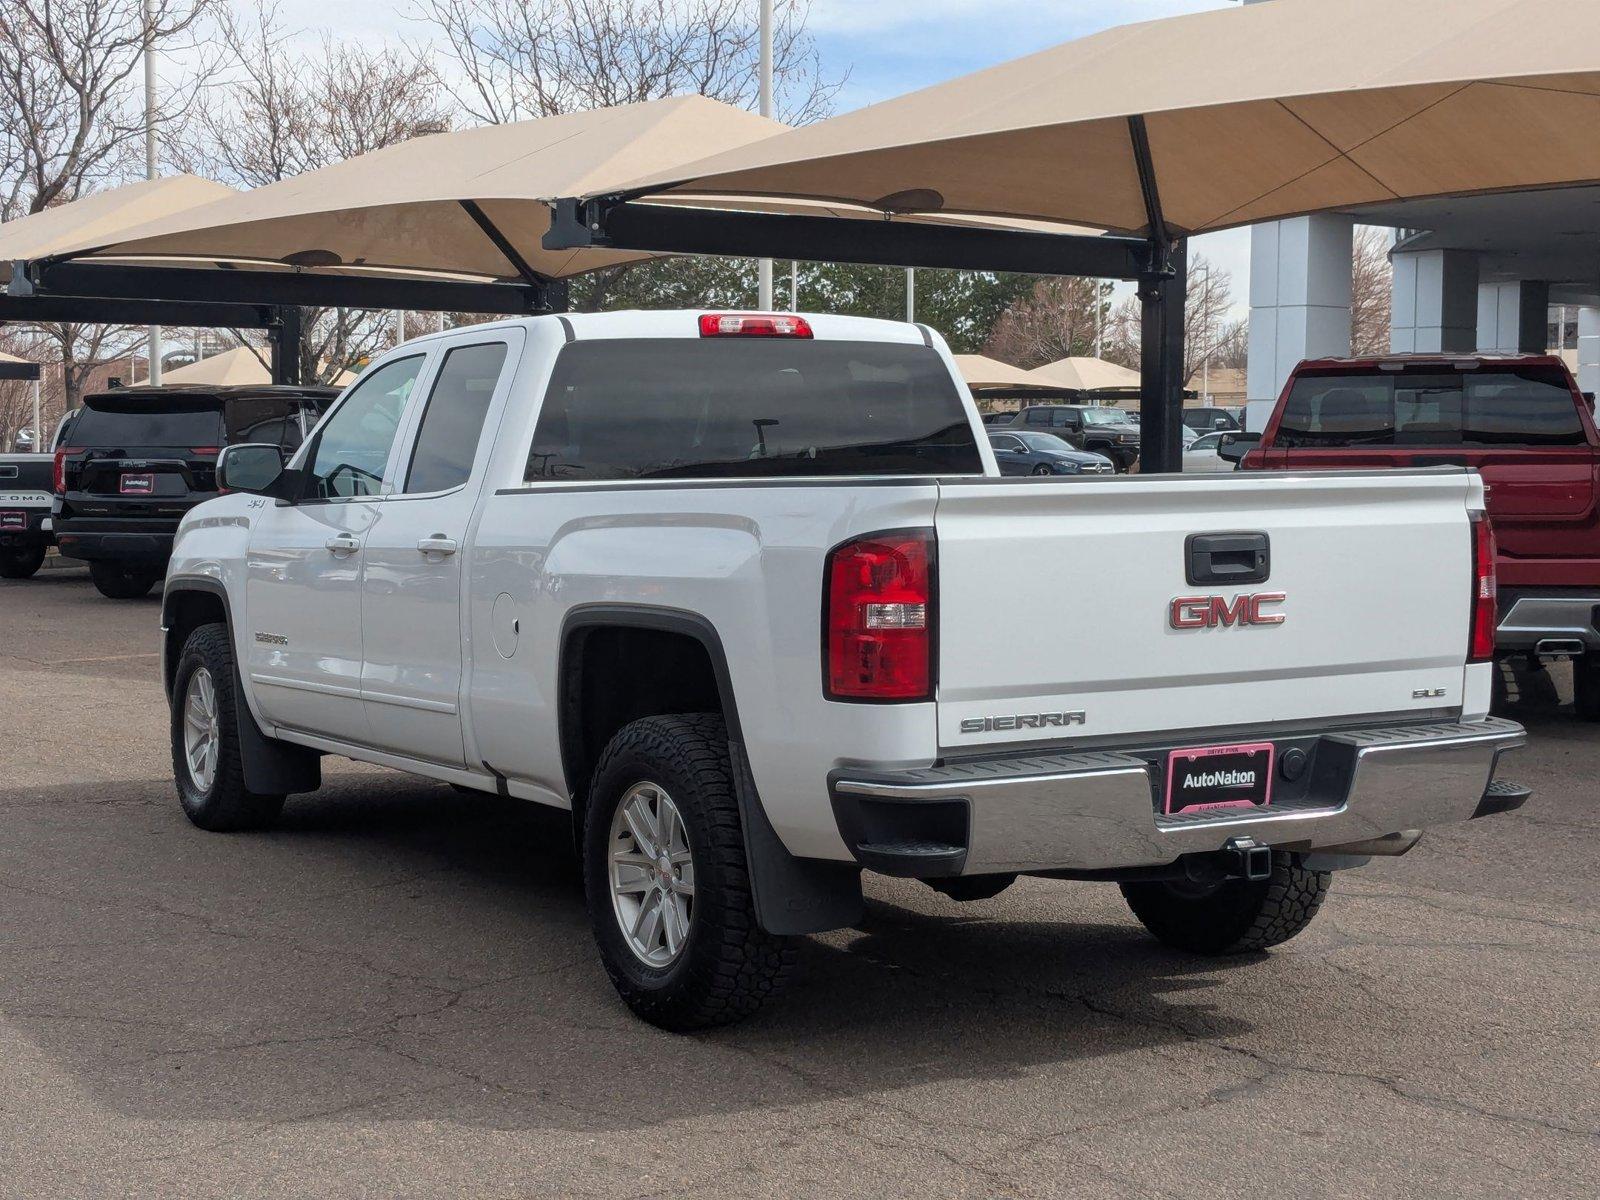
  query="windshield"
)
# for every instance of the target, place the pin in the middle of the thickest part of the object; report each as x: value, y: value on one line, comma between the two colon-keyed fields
x: 725, y: 407
x: 106, y: 424
x: 1104, y: 416
x: 1522, y: 406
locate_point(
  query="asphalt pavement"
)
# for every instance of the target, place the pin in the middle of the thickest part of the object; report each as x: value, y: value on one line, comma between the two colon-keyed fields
x: 395, y: 994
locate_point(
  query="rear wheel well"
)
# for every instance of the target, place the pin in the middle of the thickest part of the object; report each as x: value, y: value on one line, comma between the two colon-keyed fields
x: 612, y: 675
x: 186, y: 611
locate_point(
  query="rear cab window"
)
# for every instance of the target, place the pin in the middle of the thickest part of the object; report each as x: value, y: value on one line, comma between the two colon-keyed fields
x: 679, y: 408
x: 1485, y: 406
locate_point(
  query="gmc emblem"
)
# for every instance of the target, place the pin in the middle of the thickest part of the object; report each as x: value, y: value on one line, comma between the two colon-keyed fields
x: 1210, y: 612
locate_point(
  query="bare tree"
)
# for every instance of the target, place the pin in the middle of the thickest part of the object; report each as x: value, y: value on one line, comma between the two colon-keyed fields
x: 71, y: 117
x: 1055, y: 320
x: 517, y: 60
x: 1371, y: 291
x: 71, y: 112
x: 1209, y: 336
x: 276, y: 111
x: 521, y: 59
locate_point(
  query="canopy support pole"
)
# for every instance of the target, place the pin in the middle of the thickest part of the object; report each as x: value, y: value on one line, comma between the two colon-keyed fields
x: 1162, y: 285
x: 1161, y: 365
x: 286, y: 336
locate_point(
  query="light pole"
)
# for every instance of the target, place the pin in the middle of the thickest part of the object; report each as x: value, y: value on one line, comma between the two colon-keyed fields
x: 764, y: 266
x: 153, y: 345
x: 911, y: 293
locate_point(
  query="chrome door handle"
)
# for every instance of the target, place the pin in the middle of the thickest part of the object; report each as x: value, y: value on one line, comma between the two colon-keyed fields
x: 342, y: 545
x: 437, y: 544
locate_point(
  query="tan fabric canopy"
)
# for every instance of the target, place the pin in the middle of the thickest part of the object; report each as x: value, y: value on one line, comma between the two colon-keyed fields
x: 102, y: 216
x: 1254, y: 113
x: 401, y: 208
x: 1084, y: 375
x: 238, y: 366
x: 981, y: 371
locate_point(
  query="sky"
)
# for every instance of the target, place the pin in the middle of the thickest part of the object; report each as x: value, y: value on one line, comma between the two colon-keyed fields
x: 887, y: 47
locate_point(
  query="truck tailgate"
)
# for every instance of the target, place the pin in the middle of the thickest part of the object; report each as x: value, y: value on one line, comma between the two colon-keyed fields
x: 1056, y: 599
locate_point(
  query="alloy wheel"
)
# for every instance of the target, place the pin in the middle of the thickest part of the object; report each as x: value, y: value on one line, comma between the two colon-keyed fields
x: 651, y: 873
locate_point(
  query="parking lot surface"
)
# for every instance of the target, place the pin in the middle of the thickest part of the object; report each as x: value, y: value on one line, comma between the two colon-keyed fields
x: 395, y: 994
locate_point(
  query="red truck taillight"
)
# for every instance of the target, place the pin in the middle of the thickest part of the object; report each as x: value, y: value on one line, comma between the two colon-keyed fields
x: 878, y: 614
x: 1484, y: 615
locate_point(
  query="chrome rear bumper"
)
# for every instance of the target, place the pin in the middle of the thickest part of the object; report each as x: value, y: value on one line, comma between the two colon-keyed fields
x: 1097, y: 811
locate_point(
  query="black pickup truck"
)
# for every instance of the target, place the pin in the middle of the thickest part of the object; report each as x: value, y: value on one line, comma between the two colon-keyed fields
x: 137, y: 459
x: 24, y: 513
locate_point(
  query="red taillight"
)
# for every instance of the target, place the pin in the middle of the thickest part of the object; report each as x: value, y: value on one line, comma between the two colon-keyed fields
x: 753, y: 325
x: 205, y: 451
x: 58, y: 478
x: 1481, y: 648
x: 878, y: 620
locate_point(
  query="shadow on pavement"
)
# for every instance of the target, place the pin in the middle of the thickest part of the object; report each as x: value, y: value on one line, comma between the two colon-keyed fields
x: 394, y: 948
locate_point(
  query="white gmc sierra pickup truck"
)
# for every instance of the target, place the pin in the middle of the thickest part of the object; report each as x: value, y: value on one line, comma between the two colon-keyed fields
x: 747, y: 594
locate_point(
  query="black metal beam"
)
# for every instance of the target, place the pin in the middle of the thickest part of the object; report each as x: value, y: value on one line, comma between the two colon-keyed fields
x: 665, y: 228
x: 108, y: 280
x: 19, y: 371
x: 1161, y: 365
x: 285, y: 338
x: 103, y: 311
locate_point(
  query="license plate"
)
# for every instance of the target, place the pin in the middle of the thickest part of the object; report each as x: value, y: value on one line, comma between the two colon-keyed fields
x: 1218, y: 777
x: 13, y: 520
x: 138, y: 485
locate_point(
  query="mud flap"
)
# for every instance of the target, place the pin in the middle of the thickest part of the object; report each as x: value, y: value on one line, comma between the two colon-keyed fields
x: 792, y: 895
x: 271, y: 767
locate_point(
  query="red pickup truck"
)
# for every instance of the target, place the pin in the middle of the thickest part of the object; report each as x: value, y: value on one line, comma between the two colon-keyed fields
x: 1522, y: 422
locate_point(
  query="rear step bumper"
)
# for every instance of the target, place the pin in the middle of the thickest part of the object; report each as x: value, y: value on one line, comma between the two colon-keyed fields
x: 1097, y: 810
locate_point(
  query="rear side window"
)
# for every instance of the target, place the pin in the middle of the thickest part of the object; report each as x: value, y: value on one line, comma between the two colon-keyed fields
x: 447, y: 443
x: 1529, y: 406
x: 267, y: 419
x: 733, y: 408
x: 118, y: 424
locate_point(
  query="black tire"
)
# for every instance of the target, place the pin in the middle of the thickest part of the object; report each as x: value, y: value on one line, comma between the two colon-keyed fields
x: 1041, y: 469
x: 1235, y: 917
x: 226, y: 805
x: 728, y: 965
x: 21, y: 564
x: 1586, y: 687
x: 966, y: 888
x: 123, y: 581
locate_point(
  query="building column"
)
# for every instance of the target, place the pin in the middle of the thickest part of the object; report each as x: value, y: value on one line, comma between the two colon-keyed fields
x: 1435, y: 302
x: 1513, y: 318
x: 1299, y: 302
x: 1589, y: 350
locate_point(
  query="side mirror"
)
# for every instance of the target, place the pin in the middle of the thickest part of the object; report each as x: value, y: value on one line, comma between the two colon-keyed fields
x: 1235, y: 445
x: 253, y: 467
x: 1589, y: 396
x: 1219, y: 422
